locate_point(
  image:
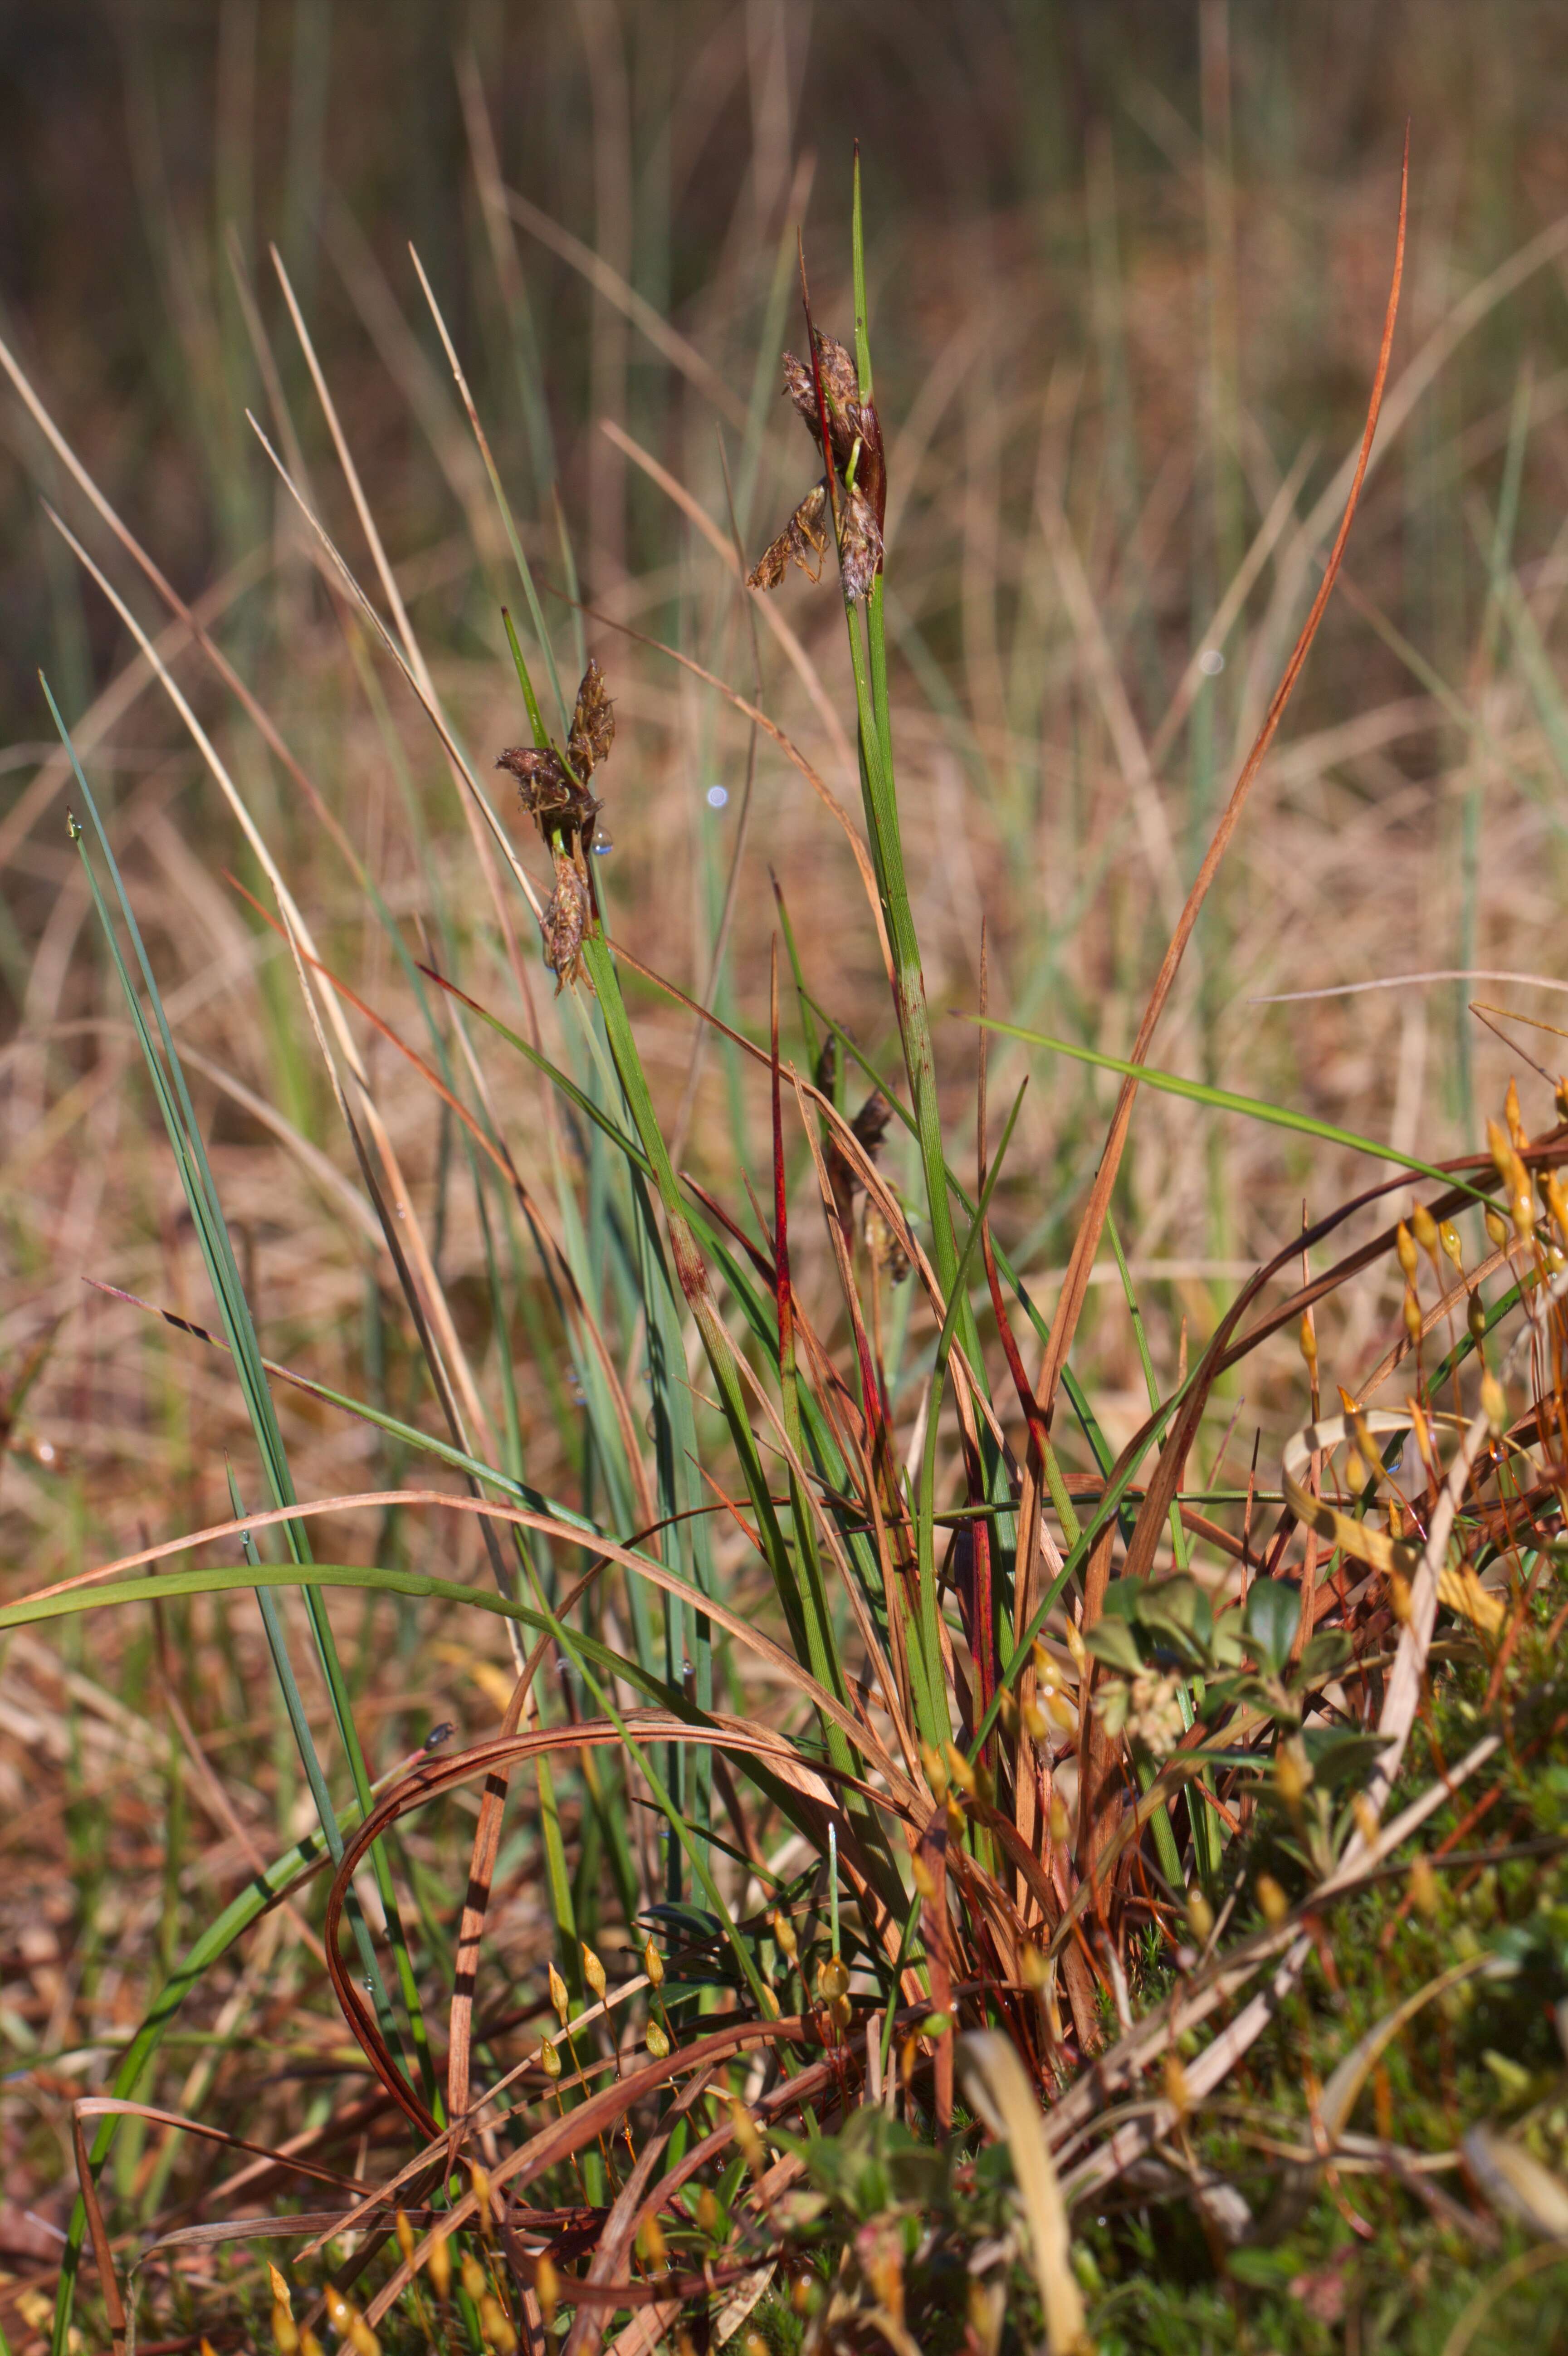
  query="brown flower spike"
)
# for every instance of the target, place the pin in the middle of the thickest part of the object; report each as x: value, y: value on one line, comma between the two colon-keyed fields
x: 555, y: 795
x: 858, y: 491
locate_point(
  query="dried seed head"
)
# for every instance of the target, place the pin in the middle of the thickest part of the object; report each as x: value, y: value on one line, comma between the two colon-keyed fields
x: 565, y: 921
x: 1423, y: 1227
x: 1271, y: 1901
x: 656, y: 2041
x: 1404, y: 1245
x: 653, y: 1964
x: 859, y: 545
x: 803, y: 541
x: 593, y: 1972
x: 593, y: 724
x: 1448, y: 1237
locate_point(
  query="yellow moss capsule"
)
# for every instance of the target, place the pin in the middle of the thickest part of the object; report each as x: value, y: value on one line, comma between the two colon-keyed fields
x: 653, y: 1964
x: 559, y: 1997
x: 935, y: 1767
x: 770, y: 2005
x: 1008, y: 1714
x: 285, y: 2330
x: 651, y: 2242
x: 281, y: 2295
x: 438, y: 2265
x: 1448, y: 1237
x: 958, y: 1768
x: 784, y: 1934
x: 1035, y: 1723
x: 475, y: 2280
x: 480, y: 2179
x: 744, y: 2128
x: 1399, y: 1597
x: 1556, y: 1200
x: 1500, y: 1147
x: 1511, y: 1115
x: 1034, y: 1968
x: 405, y: 2237
x: 362, y: 2339
x: 549, y: 2059
x: 1475, y: 1318
x: 593, y: 1972
x: 1365, y: 1817
x: 1292, y: 1773
x: 495, y: 2325
x: 1200, y: 1915
x: 955, y: 1821
x: 1422, y: 1432
x: 832, y: 1979
x: 1494, y: 1406
x: 1495, y: 1226
x: 1309, y: 1341
x: 1061, y: 1823
x: 1560, y: 1099
x: 1271, y: 1901
x: 1177, y: 2092
x: 709, y: 2216
x: 1412, y: 1315
x: 309, y: 2344
x: 1356, y: 1473
x: 925, y: 1880
x: 1423, y: 1227
x: 546, y: 2287
x: 656, y: 2041
x: 1404, y: 1245
x: 1424, y: 1894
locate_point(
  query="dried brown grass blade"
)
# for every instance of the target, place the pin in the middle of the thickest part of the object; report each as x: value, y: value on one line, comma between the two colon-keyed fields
x: 1076, y: 1283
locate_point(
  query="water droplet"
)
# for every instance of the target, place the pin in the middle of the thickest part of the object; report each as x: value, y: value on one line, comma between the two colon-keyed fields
x: 603, y: 841
x: 1212, y: 662
x: 717, y: 796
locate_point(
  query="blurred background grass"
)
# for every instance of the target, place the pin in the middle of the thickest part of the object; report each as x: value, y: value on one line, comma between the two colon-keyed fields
x: 1128, y: 266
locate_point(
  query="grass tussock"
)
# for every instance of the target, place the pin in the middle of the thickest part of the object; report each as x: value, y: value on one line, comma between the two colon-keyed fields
x: 796, y: 1580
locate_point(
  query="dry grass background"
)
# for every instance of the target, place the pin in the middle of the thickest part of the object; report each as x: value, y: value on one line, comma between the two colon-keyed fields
x: 1127, y: 269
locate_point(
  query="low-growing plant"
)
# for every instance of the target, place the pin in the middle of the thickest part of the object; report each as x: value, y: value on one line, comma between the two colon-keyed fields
x: 1017, y: 1971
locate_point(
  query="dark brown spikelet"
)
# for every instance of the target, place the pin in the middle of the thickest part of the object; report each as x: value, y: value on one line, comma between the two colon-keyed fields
x: 593, y: 724
x: 855, y: 443
x: 546, y: 791
x: 565, y: 921
x: 803, y: 541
